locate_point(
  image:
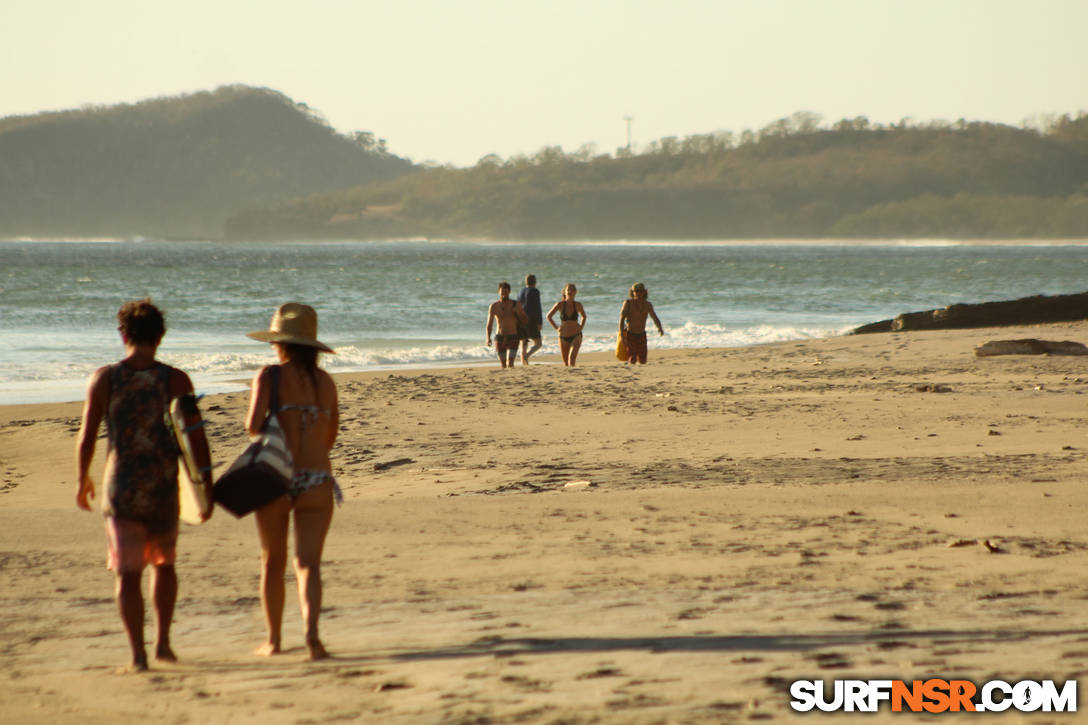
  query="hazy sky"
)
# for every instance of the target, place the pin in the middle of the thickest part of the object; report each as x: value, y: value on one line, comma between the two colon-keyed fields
x: 450, y: 81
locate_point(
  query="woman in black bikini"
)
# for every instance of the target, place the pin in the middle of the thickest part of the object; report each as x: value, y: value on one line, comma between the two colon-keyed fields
x: 569, y: 328
x: 308, y: 412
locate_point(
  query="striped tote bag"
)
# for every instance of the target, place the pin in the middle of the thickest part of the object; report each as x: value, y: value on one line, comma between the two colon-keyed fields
x: 264, y: 470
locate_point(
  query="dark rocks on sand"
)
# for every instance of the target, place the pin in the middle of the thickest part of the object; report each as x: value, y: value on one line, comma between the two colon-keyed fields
x: 1030, y: 346
x: 1024, y: 311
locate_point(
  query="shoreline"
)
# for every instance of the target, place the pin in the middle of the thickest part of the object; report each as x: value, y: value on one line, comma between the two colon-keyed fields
x: 671, y: 543
x: 816, y: 241
x: 541, y: 359
x: 207, y: 342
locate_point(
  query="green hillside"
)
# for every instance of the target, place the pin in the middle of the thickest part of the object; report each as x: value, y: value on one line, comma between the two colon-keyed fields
x: 173, y: 166
x: 793, y: 179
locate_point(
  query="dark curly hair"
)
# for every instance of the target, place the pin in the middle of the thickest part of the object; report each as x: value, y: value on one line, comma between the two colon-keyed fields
x: 141, y: 322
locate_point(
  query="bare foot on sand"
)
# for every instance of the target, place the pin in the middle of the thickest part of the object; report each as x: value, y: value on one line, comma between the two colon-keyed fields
x: 267, y: 649
x: 131, y: 670
x: 316, y: 649
x: 163, y: 653
x: 139, y: 664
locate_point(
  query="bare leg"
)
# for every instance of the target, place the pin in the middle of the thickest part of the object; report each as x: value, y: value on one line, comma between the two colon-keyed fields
x: 575, y: 345
x: 164, y: 587
x: 272, y: 523
x: 527, y: 352
x: 313, y: 514
x: 130, y: 602
x: 564, y: 351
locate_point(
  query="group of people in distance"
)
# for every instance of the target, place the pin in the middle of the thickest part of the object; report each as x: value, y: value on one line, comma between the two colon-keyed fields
x: 519, y: 322
x: 140, y: 483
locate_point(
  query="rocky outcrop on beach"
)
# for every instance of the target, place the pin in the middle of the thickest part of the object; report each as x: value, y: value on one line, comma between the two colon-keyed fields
x: 1024, y: 311
x: 1030, y: 346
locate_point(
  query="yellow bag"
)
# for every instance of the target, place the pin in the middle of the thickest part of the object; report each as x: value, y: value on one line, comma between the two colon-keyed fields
x: 621, y: 348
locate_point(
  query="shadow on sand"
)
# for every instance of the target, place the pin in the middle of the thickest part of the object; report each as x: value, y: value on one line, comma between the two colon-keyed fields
x: 499, y: 646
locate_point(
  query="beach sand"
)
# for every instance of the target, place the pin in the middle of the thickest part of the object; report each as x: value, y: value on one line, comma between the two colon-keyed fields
x: 674, y: 543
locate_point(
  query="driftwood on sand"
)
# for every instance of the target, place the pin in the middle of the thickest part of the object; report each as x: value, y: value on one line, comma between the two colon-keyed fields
x: 1035, y: 310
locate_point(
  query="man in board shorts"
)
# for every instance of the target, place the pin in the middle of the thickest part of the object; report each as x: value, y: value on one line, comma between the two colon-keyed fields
x: 141, y: 475
x: 508, y: 314
x: 636, y: 308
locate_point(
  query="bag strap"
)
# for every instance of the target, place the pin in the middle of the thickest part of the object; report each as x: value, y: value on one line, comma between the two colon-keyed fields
x: 274, y: 393
x: 273, y: 396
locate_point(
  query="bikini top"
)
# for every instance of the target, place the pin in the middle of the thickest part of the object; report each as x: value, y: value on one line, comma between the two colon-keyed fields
x: 563, y: 316
x: 309, y: 412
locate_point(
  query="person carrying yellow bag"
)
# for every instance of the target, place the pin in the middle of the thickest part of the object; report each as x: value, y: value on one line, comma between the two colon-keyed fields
x: 621, y: 348
x: 633, y: 314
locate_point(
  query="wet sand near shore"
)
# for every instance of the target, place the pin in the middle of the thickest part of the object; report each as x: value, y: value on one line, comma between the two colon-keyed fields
x: 674, y: 543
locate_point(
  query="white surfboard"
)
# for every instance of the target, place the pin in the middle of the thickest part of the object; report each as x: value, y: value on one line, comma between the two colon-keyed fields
x: 193, y: 496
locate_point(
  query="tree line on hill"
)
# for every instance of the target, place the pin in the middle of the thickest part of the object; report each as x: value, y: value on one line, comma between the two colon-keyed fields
x: 175, y: 166
x: 250, y: 163
x: 792, y: 179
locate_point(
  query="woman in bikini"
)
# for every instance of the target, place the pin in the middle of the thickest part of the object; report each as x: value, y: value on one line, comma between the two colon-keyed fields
x: 310, y: 417
x: 569, y: 328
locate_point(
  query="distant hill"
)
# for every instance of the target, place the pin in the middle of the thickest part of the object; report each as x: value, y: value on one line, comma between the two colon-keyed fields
x: 173, y: 166
x: 792, y: 179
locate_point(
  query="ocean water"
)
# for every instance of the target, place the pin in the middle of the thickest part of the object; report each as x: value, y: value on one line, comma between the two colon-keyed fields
x: 393, y: 305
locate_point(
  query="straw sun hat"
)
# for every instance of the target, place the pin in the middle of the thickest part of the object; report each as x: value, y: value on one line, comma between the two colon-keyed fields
x: 293, y: 323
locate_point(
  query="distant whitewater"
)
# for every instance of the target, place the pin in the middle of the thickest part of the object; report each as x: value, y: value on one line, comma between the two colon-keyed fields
x: 386, y: 305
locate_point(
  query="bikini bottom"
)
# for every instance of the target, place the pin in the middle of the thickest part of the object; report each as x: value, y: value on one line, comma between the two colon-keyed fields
x: 308, y: 478
x: 570, y: 338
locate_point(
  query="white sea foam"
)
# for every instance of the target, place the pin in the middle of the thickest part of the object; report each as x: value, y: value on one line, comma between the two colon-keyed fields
x: 354, y: 359
x: 220, y: 372
x: 218, y: 363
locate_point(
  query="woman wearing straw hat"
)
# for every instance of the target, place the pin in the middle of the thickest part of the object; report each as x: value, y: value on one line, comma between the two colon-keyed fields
x: 309, y: 416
